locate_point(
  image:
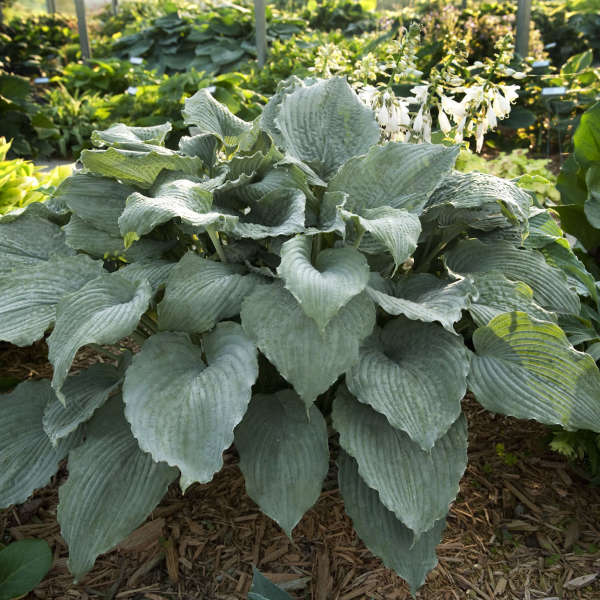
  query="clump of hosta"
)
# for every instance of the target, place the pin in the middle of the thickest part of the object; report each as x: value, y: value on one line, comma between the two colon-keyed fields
x: 277, y: 273
x: 460, y: 101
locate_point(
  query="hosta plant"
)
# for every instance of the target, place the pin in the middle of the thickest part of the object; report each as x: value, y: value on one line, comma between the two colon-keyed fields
x: 285, y: 279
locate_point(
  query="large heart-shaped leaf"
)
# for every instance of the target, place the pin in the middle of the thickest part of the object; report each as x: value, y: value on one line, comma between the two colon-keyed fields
x: 527, y: 369
x: 383, y: 534
x: 29, y: 295
x: 416, y: 486
x: 125, y: 136
x: 155, y: 271
x: 323, y: 125
x: 423, y: 297
x: 284, y: 455
x: 27, y: 458
x: 112, y: 487
x: 396, y: 175
x: 183, y: 410
x: 202, y: 292
x: 417, y: 389
x: 101, y: 312
x: 309, y: 359
x: 322, y: 290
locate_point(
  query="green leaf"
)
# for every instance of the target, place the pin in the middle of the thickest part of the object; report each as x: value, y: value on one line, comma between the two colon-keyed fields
x: 383, y: 534
x: 84, y: 393
x: 324, y: 125
x: 587, y: 137
x: 29, y: 295
x: 527, y: 369
x: 423, y: 297
x: 339, y: 274
x: 479, y: 201
x: 140, y: 168
x: 155, y: 271
x: 29, y: 239
x: 27, y: 458
x: 284, y: 455
x: 182, y: 409
x: 549, y: 285
x: 543, y: 229
x: 263, y: 589
x: 592, y: 204
x: 419, y: 391
x: 498, y: 295
x: 124, y: 136
x: 210, y: 116
x: 416, y: 486
x: 23, y: 565
x: 396, y: 175
x: 202, y: 292
x: 309, y: 359
x: 112, y: 487
x: 203, y: 145
x: 574, y: 221
x: 103, y: 311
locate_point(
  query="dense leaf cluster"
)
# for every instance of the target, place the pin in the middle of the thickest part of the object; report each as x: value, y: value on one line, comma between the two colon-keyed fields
x: 277, y: 272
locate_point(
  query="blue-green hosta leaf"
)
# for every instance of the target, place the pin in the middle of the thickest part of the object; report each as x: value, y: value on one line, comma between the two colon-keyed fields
x: 391, y: 229
x: 497, y: 295
x: 184, y: 411
x: 27, y: 458
x: 140, y: 168
x: 29, y: 239
x: 203, y: 145
x: 478, y: 200
x: 543, y: 229
x: 396, y: 175
x: 263, y: 589
x: 112, y: 487
x: 383, y: 534
x: 183, y: 198
x: 323, y: 125
x: 97, y: 200
x: 416, y: 486
x: 549, y: 285
x: 415, y: 374
x: 527, y: 369
x: 155, y: 271
x: 309, y: 359
x: 29, y: 295
x: 322, y: 290
x: 202, y: 292
x: 23, y: 565
x: 578, y: 329
x: 84, y: 393
x: 284, y: 455
x: 280, y: 212
x: 102, y: 312
x: 423, y: 297
x: 210, y: 116
x: 125, y: 136
x: 592, y: 204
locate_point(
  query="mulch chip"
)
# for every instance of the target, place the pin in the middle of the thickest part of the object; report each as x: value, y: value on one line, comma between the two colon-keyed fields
x: 525, y: 526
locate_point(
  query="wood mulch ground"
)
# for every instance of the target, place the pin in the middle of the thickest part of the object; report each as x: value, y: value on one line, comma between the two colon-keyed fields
x: 525, y: 526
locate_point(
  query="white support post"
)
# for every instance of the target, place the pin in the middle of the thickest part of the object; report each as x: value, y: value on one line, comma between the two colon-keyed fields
x: 523, y: 22
x: 115, y: 7
x: 51, y: 6
x: 84, y: 40
x: 260, y: 19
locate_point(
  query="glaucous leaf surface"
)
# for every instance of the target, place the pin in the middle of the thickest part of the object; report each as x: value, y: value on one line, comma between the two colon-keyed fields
x: 396, y: 175
x: 309, y: 359
x: 517, y: 264
x: 27, y: 458
x: 415, y: 374
x: 103, y: 311
x: 182, y: 409
x: 338, y: 275
x: 526, y: 368
x: 83, y: 394
x: 155, y: 271
x: 323, y: 125
x: 284, y: 455
x: 112, y: 487
x: 121, y: 135
x: 383, y: 534
x: 263, y: 589
x: 201, y: 292
x: 423, y: 297
x: 417, y: 486
x: 203, y: 145
x: 29, y: 295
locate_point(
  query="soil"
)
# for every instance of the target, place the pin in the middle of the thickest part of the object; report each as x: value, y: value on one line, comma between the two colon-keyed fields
x: 525, y: 526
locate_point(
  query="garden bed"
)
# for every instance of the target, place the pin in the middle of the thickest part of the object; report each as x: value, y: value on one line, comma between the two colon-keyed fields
x: 525, y: 525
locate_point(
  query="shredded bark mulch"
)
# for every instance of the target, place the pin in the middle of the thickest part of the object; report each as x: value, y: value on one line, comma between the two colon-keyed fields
x: 525, y: 526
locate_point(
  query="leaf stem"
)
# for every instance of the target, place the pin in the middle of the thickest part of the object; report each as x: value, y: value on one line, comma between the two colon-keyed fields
x: 214, y: 238
x: 316, y: 247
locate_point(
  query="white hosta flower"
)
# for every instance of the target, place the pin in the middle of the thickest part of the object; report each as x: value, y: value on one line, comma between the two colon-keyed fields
x: 451, y: 107
x: 427, y: 126
x: 420, y: 92
x: 479, y: 135
x: 400, y: 114
x: 490, y: 118
x: 445, y: 125
x: 367, y: 95
x: 418, y: 122
x: 510, y: 92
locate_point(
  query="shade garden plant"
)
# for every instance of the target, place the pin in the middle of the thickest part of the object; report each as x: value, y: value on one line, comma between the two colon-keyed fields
x: 285, y: 279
